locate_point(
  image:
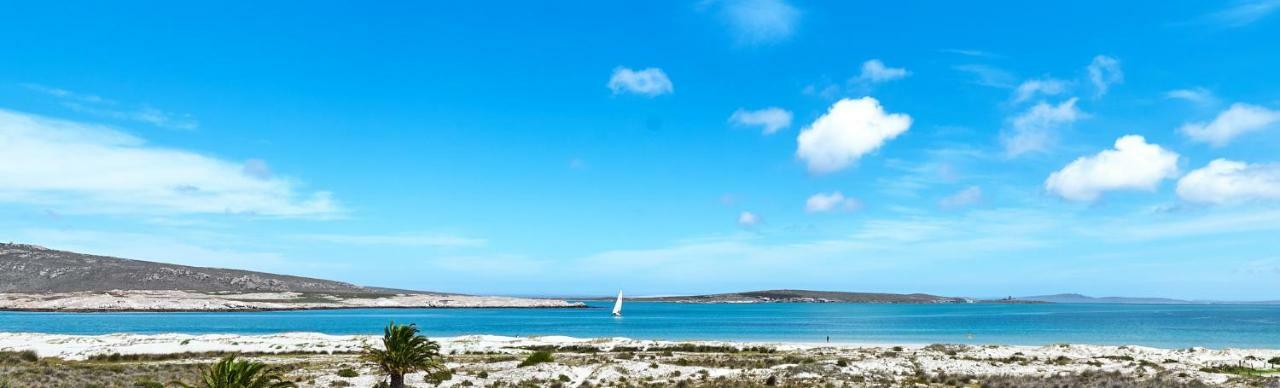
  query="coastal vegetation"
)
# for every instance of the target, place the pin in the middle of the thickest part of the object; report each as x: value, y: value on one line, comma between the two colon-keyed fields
x: 486, y: 361
x: 232, y: 373
x: 404, y: 351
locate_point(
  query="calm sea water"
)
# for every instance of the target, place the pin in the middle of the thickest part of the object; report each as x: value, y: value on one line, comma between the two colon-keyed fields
x: 1170, y: 326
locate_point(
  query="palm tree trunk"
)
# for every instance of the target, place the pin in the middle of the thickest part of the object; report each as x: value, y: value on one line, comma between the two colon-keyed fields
x: 397, y: 380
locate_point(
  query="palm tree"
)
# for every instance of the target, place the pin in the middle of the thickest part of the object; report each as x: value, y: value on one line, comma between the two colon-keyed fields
x: 230, y: 373
x: 404, y: 351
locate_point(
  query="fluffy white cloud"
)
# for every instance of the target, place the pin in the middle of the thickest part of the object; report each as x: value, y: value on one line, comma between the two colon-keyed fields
x: 770, y: 120
x: 1235, y: 121
x: 748, y: 219
x: 825, y: 202
x: 650, y: 82
x: 1196, y: 95
x: 1034, y: 129
x: 874, y: 71
x: 969, y: 196
x: 1104, y: 71
x: 1132, y: 165
x: 851, y: 128
x: 1044, y: 86
x: 94, y: 169
x: 760, y: 21
x: 1227, y: 181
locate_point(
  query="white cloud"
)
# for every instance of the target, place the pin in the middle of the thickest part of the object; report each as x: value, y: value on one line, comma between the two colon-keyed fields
x: 770, y: 120
x: 98, y: 106
x: 1047, y: 86
x: 1034, y: 129
x: 874, y: 71
x: 1235, y: 121
x: 95, y: 169
x: 969, y: 196
x: 851, y: 128
x: 760, y: 21
x: 1104, y: 71
x: 1245, y: 12
x: 650, y: 82
x: 1197, y: 95
x: 418, y: 239
x: 968, y: 52
x: 1132, y: 165
x: 825, y: 202
x: 1226, y: 181
x: 748, y: 219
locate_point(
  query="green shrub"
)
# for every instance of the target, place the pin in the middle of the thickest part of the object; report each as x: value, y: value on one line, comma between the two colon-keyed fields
x: 348, y: 372
x: 564, y: 378
x: 439, y: 376
x: 537, y: 357
x: 484, y: 374
x: 771, y: 381
x: 148, y: 384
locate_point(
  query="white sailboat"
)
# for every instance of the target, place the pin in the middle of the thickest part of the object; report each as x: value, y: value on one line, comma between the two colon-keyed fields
x: 617, y: 306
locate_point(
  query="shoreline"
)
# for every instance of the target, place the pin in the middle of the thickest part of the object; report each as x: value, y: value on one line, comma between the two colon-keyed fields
x: 263, y: 310
x: 191, y: 301
x: 485, y: 359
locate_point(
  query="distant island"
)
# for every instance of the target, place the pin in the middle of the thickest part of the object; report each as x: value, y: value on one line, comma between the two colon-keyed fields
x: 34, y: 278
x: 811, y: 296
x: 807, y: 296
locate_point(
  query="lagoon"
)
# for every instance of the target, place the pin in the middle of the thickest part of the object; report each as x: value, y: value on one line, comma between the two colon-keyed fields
x: 1166, y: 326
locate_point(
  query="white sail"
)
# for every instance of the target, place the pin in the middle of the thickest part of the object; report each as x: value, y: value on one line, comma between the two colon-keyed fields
x: 617, y: 306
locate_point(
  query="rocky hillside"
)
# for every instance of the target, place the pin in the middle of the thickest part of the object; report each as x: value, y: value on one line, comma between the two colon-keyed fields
x: 33, y: 269
x: 805, y: 296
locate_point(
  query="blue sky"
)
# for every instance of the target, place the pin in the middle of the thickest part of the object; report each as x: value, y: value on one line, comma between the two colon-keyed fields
x: 661, y: 148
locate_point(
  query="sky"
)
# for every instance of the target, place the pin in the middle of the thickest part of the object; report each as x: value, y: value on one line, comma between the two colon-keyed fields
x: 668, y: 147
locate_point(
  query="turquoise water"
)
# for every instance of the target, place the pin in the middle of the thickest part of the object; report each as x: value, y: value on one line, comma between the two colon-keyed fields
x: 1170, y: 326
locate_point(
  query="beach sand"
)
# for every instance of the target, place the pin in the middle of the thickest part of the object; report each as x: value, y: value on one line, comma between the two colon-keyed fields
x: 482, y: 360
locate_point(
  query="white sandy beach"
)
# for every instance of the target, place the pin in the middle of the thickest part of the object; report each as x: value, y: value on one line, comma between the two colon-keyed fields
x: 871, y: 360
x: 147, y: 300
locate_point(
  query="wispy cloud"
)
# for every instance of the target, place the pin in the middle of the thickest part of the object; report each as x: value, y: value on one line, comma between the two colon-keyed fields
x: 987, y: 75
x: 1035, y: 129
x: 1196, y: 95
x: 968, y: 52
x: 770, y: 120
x: 1104, y: 71
x: 875, y: 71
x: 1244, y: 13
x: 1047, y: 86
x: 88, y: 168
x: 968, y: 196
x: 756, y: 22
x: 415, y: 239
x: 98, y: 106
x: 649, y: 82
x: 827, y: 202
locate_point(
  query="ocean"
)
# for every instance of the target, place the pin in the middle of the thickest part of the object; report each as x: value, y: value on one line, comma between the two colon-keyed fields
x: 1166, y: 326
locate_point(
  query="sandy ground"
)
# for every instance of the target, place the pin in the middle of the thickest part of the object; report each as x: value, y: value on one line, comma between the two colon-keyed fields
x: 135, y: 300
x: 621, y: 359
